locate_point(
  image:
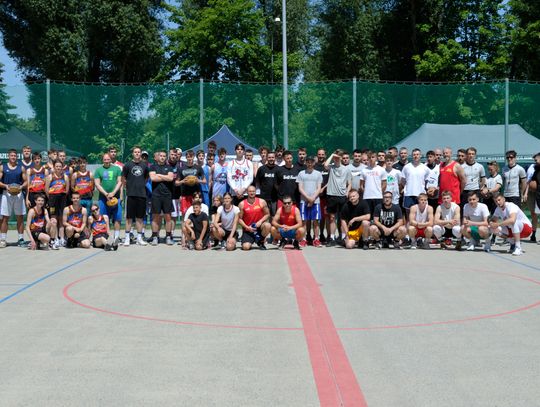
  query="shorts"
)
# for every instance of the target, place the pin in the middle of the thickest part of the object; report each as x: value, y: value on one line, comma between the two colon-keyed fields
x: 355, y: 234
x: 474, y: 233
x: 135, y: 207
x: 312, y: 212
x: 94, y: 238
x: 409, y: 201
x: 176, y: 212
x: 335, y: 203
x: 35, y: 234
x: 12, y: 204
x: 289, y: 234
x: 514, y: 199
x: 420, y: 232
x: 57, y: 203
x: 228, y: 234
x: 372, y: 203
x: 75, y: 241
x: 161, y: 204
x: 113, y: 212
x: 185, y: 203
x: 248, y: 237
x: 525, y: 232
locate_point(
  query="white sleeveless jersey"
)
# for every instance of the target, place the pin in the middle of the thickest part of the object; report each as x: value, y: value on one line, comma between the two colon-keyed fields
x: 448, y: 213
x: 219, y: 178
x: 422, y: 217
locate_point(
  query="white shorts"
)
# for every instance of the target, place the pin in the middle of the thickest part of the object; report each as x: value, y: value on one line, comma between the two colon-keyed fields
x: 12, y: 204
x: 176, y: 212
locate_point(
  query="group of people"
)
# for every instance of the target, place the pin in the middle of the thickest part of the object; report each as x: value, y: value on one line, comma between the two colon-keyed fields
x: 370, y: 199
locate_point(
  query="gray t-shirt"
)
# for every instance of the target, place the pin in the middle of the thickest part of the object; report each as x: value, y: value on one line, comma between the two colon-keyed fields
x: 227, y: 217
x: 356, y: 173
x: 512, y: 177
x: 473, y: 173
x: 309, y: 181
x: 337, y: 180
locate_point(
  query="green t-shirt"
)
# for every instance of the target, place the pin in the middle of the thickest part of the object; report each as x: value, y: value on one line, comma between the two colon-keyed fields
x: 108, y: 177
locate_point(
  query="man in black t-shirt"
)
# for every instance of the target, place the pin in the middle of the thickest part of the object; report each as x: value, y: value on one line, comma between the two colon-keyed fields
x: 162, y: 182
x: 134, y: 176
x: 286, y: 180
x: 196, y: 228
x: 267, y: 183
x: 387, y: 223
x: 355, y: 216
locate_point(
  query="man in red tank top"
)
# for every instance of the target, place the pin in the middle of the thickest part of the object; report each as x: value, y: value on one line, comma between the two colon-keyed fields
x: 253, y: 218
x: 452, y: 176
x: 287, y: 224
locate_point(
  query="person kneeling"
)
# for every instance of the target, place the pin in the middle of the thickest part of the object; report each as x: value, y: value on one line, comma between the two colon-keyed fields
x: 355, y: 217
x: 225, y: 223
x: 387, y: 224
x: 287, y: 224
x: 195, y: 228
x: 421, y: 222
x: 99, y: 229
x: 40, y: 228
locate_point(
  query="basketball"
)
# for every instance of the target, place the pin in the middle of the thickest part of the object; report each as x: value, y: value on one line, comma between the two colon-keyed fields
x: 191, y: 180
x: 14, y: 189
x: 112, y: 202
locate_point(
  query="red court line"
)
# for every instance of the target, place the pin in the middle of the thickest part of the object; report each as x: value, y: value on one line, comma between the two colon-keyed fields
x: 334, y: 377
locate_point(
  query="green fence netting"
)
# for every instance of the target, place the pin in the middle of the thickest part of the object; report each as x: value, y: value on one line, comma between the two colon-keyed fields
x: 87, y: 118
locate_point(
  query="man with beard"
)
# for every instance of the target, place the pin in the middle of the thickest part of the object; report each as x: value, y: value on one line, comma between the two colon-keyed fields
x: 267, y: 182
x: 451, y: 176
x: 355, y: 217
x: 286, y: 179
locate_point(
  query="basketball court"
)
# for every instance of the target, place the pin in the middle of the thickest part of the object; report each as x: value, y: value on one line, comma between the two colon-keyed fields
x: 165, y: 326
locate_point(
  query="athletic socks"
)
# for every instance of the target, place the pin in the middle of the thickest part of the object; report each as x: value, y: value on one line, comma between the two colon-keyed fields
x: 116, y: 234
x: 21, y: 236
x: 3, y: 236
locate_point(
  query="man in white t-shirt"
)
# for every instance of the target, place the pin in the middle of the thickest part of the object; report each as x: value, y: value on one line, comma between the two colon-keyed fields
x: 510, y: 221
x: 475, y: 222
x: 393, y: 178
x: 415, y: 175
x: 373, y: 182
x: 356, y: 167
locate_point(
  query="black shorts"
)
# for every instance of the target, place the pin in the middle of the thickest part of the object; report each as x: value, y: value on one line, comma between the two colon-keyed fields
x: 335, y: 203
x: 228, y: 233
x: 161, y: 204
x: 136, y: 207
x: 94, y: 238
x: 36, y: 233
x: 75, y: 241
x: 57, y: 203
x: 248, y: 237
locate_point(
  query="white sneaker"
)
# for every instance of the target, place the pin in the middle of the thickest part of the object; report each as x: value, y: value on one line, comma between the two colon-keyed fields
x: 127, y: 242
x: 55, y: 245
x: 470, y: 248
x: 63, y: 242
x: 517, y: 252
x: 141, y: 241
x: 3, y: 244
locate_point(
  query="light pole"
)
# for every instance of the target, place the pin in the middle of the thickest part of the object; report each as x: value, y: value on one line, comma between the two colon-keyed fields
x: 275, y: 21
x: 285, y: 91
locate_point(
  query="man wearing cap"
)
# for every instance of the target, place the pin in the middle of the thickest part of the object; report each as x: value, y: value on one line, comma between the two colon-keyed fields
x: 514, y: 178
x: 530, y: 194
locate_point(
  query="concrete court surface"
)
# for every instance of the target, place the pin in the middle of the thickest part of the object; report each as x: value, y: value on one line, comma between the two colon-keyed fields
x: 163, y: 326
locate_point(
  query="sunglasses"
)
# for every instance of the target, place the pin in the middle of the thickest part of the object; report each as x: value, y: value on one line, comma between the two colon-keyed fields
x: 94, y: 210
x: 510, y: 157
x: 287, y: 203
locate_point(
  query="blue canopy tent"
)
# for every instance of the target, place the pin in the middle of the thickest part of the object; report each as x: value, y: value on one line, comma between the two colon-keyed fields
x: 225, y: 138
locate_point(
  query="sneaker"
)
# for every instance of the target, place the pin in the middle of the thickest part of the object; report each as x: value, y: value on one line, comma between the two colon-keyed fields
x: 512, y: 248
x: 54, y: 245
x: 261, y: 245
x: 222, y: 245
x: 108, y: 247
x: 63, y: 242
x: 365, y: 244
x: 115, y: 244
x: 169, y: 241
x: 378, y: 245
x: 132, y: 238
x: 426, y: 245
x: 141, y: 241
x: 191, y: 245
x: 21, y: 243
x: 296, y: 245
x: 2, y: 244
x: 385, y: 244
x: 517, y: 252
x: 127, y: 242
x: 471, y: 246
x: 330, y: 243
x: 154, y: 241
x: 322, y: 239
x: 303, y: 243
x: 282, y: 244
x: 414, y: 245
x: 316, y: 243
x: 459, y: 245
x: 533, y: 238
x: 397, y: 245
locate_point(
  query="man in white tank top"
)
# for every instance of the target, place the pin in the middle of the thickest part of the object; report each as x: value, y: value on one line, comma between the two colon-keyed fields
x: 421, y: 222
x: 447, y: 221
x: 218, y: 173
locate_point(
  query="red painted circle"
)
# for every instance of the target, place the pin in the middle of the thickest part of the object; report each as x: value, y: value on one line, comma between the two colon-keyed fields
x: 66, y: 295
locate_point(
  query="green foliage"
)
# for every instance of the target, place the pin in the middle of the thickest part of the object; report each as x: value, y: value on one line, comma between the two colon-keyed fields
x: 6, y: 119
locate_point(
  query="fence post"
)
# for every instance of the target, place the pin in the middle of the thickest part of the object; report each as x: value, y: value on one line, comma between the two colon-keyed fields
x: 354, y: 122
x: 48, y: 91
x: 506, y: 113
x: 201, y: 112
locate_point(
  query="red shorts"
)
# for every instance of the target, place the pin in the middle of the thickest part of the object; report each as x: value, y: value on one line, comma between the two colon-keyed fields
x: 525, y: 232
x: 420, y: 232
x: 185, y: 203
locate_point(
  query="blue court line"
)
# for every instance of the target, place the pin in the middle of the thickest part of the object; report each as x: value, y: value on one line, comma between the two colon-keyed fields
x: 10, y: 284
x: 514, y: 261
x: 39, y: 280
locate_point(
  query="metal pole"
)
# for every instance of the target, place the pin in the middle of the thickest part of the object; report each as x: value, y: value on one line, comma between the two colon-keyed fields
x: 506, y: 113
x: 354, y: 123
x: 272, y: 85
x: 201, y: 112
x: 168, y: 143
x: 285, y: 80
x: 48, y: 90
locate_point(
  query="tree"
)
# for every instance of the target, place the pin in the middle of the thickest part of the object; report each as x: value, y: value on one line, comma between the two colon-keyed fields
x: 526, y: 39
x: 83, y: 40
x: 6, y: 119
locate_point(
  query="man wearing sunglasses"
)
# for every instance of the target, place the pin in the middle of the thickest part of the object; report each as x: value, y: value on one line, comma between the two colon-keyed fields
x: 287, y: 224
x: 99, y: 228
x: 514, y: 179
